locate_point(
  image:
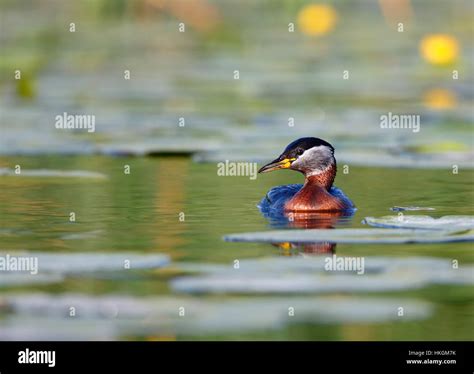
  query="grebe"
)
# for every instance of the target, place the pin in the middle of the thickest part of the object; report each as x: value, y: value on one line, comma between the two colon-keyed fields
x: 314, y: 158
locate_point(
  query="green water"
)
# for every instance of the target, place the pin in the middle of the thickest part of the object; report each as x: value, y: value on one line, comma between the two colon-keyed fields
x: 140, y: 212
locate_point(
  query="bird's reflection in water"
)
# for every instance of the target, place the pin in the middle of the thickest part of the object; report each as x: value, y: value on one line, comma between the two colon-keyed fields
x: 305, y: 220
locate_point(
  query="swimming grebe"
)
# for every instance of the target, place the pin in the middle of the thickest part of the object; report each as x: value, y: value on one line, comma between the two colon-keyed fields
x: 314, y: 158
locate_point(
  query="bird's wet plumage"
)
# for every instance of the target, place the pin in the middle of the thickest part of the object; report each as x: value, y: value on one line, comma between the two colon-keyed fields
x: 273, y: 203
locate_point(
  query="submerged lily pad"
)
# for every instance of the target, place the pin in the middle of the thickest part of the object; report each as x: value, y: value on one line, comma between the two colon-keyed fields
x: 14, y: 232
x: 309, y: 275
x: 66, y: 263
x: 52, y: 173
x: 133, y: 316
x: 8, y: 279
x: 40, y: 329
x: 423, y: 222
x: 409, y: 208
x: 365, y: 236
x: 172, y: 146
x: 82, y: 235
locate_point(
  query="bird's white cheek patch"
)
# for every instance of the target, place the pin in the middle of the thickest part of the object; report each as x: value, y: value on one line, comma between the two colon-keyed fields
x: 314, y: 160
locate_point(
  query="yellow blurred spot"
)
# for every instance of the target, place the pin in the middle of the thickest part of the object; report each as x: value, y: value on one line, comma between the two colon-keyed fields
x: 439, y: 49
x: 439, y: 98
x: 286, y: 245
x: 26, y: 87
x: 317, y: 19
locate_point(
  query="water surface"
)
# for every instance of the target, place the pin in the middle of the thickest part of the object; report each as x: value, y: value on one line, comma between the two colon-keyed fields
x: 142, y: 213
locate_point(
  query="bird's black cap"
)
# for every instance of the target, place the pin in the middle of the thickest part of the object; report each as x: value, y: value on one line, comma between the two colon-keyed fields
x: 304, y: 144
x: 292, y: 152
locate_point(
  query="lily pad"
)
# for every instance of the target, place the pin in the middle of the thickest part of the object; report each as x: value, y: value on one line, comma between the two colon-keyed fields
x: 170, y: 146
x: 409, y: 208
x: 423, y: 222
x: 309, y: 275
x: 78, y: 263
x: 360, y: 236
x: 82, y: 235
x: 50, y: 173
x: 8, y: 279
x: 132, y: 316
x: 41, y: 329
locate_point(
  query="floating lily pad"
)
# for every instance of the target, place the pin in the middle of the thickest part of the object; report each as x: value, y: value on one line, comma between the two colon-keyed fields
x: 424, y: 222
x: 82, y: 235
x: 45, y: 173
x: 309, y: 275
x: 66, y: 263
x: 40, y: 329
x: 14, y: 232
x: 133, y: 316
x: 361, y: 236
x: 8, y: 279
x: 373, y: 157
x: 169, y: 147
x: 409, y: 208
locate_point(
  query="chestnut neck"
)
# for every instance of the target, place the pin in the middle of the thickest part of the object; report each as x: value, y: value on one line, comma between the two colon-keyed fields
x: 325, y: 179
